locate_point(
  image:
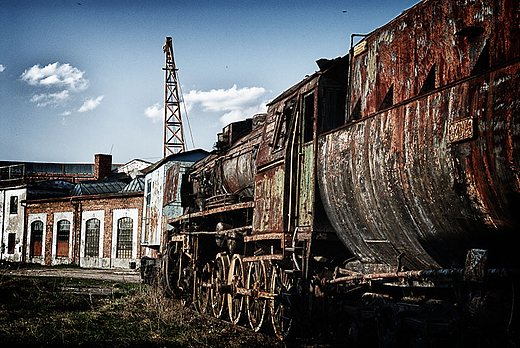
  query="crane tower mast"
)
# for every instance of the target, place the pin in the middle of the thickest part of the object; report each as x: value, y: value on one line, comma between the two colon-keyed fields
x: 173, y: 132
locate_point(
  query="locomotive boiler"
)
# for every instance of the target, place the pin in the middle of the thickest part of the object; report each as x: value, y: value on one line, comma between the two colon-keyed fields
x: 387, y: 182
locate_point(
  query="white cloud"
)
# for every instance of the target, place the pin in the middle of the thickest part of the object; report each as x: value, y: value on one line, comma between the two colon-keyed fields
x: 2, y: 68
x: 242, y: 114
x: 65, y: 113
x: 55, y: 75
x: 91, y: 104
x: 50, y: 99
x: 237, y: 104
x: 154, y: 112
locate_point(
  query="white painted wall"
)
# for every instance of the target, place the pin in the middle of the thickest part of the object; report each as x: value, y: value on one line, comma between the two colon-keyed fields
x: 12, y: 223
x: 152, y: 214
x: 152, y: 231
x: 133, y: 168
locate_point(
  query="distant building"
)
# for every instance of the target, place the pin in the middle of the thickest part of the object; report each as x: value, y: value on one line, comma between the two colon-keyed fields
x: 19, y: 173
x: 132, y: 168
x: 93, y: 223
x: 13, y: 212
x: 97, y: 226
x: 162, y: 199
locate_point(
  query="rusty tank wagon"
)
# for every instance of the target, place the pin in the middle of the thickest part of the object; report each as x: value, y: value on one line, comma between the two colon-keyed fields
x: 386, y: 183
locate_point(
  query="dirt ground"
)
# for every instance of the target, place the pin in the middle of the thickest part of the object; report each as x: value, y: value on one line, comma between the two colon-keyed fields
x: 118, y: 275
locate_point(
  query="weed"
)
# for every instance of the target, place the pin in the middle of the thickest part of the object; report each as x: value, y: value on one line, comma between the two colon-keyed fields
x: 63, y: 312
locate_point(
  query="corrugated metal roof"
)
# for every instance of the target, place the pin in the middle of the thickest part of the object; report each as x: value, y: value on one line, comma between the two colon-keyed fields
x: 187, y: 156
x: 136, y: 185
x: 97, y: 188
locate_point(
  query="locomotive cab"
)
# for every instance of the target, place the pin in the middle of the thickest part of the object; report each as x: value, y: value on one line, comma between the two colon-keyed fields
x: 288, y: 217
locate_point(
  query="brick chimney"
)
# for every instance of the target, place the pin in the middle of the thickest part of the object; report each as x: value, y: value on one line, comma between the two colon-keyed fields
x: 102, y: 166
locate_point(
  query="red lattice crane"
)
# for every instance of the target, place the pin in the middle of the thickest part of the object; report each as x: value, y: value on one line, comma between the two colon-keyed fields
x: 173, y: 132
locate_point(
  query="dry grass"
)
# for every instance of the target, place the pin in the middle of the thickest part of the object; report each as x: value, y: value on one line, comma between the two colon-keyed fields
x: 54, y: 312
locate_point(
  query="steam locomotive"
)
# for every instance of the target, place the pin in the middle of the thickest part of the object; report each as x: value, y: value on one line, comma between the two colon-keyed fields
x: 386, y: 183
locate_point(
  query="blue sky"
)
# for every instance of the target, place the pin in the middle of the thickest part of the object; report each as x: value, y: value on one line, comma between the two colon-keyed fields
x: 83, y: 77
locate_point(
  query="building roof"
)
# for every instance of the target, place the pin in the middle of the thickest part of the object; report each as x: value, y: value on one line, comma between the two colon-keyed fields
x: 133, y: 168
x: 187, y: 156
x: 98, y: 187
x: 108, y: 186
x: 48, y: 189
x: 136, y: 185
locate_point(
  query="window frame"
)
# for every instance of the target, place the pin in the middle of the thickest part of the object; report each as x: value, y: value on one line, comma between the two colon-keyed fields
x: 308, y: 116
x: 13, y: 205
x: 60, y: 240
x: 34, y: 239
x: 283, y: 124
x: 125, y: 238
x: 11, y: 243
x: 92, y: 237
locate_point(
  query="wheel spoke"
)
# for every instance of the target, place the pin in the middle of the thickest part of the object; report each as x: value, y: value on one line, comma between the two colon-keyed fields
x: 202, y: 287
x: 235, y: 280
x: 280, y: 306
x: 218, y: 278
x: 256, y: 306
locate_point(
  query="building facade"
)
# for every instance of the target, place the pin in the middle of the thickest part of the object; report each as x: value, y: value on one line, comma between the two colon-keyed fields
x: 92, y: 231
x: 162, y: 199
x: 71, y: 219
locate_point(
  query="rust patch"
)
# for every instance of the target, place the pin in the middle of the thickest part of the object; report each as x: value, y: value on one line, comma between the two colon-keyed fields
x: 171, y: 184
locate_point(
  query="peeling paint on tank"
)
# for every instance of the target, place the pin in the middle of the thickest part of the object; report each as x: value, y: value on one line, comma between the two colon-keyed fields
x: 401, y: 181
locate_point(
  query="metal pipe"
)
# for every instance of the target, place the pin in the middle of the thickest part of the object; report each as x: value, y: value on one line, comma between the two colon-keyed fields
x: 435, y: 274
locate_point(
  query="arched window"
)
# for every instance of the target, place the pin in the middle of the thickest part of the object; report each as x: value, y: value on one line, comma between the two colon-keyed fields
x: 62, y: 243
x: 36, y: 238
x: 124, y: 238
x: 92, y: 238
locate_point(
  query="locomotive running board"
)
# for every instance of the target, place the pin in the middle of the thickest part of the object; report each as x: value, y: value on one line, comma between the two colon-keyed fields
x: 226, y: 208
x: 263, y: 257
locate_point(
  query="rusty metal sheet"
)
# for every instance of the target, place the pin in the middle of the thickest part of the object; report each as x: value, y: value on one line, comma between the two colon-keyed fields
x: 269, y: 207
x: 219, y: 210
x: 171, y: 183
x: 398, y: 191
x: 306, y: 186
x: 268, y: 150
x: 451, y: 40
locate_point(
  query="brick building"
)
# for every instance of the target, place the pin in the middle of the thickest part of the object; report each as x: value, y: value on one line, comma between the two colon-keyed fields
x: 97, y: 225
x: 100, y: 230
x: 93, y: 223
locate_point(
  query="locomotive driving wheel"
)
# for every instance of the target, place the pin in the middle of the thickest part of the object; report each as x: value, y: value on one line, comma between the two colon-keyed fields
x: 256, y: 306
x: 219, y: 275
x: 235, y: 281
x: 203, y: 285
x: 170, y: 270
x: 281, y: 305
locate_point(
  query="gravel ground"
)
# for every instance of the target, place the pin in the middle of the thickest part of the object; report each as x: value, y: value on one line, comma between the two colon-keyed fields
x: 119, y: 275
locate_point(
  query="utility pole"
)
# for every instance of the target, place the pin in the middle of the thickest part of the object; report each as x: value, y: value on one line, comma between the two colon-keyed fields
x: 173, y: 132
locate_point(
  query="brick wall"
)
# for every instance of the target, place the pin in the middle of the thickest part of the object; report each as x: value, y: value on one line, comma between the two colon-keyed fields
x: 77, y: 206
x: 102, y: 166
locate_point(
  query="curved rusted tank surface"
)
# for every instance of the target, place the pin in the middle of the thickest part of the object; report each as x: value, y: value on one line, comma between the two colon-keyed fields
x: 227, y: 175
x: 422, y: 183
x: 427, y: 165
